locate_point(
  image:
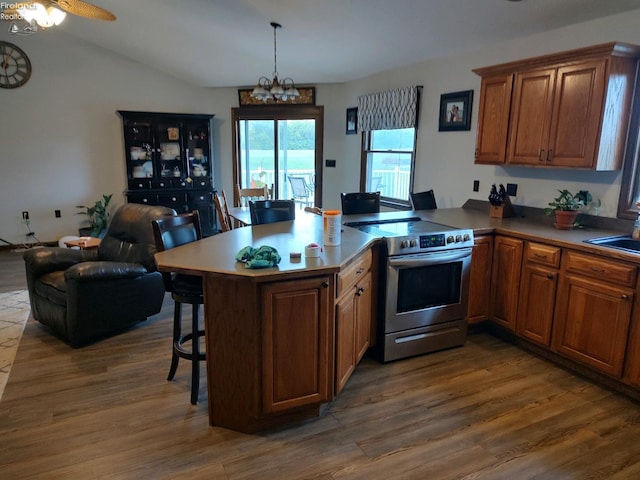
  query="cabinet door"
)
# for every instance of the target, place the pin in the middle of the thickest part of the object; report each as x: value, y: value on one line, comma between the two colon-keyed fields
x: 345, y: 341
x: 297, y: 353
x: 493, y: 119
x: 505, y: 281
x: 531, y: 117
x: 363, y: 316
x: 592, y: 322
x: 536, y: 303
x: 577, y: 110
x: 632, y: 360
x: 480, y: 284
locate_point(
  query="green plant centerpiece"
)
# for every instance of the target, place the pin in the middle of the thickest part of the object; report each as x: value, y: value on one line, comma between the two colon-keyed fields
x: 98, y: 215
x: 567, y: 206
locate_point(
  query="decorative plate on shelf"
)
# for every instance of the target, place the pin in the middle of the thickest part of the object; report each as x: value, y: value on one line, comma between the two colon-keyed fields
x: 170, y: 150
x: 147, y: 168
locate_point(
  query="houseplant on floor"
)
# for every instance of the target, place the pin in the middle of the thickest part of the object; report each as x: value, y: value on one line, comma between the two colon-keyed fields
x: 567, y: 206
x: 98, y: 217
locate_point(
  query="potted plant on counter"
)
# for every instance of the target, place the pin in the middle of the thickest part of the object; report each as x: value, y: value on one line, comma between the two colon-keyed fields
x: 98, y: 217
x: 567, y: 206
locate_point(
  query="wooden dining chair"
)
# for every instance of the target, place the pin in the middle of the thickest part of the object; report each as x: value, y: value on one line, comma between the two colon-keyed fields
x: 424, y: 200
x: 244, y: 195
x: 360, y: 202
x: 271, y: 211
x: 222, y: 209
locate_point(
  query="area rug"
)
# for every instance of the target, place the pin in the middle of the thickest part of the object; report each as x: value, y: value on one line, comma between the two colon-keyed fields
x: 14, y: 312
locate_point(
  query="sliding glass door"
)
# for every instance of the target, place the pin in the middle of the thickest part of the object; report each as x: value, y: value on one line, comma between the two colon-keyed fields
x: 281, y: 147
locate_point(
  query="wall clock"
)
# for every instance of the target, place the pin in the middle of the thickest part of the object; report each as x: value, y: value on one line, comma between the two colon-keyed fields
x: 15, y: 67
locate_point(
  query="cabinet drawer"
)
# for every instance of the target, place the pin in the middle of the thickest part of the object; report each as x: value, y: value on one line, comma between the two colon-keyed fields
x: 544, y: 254
x: 177, y: 201
x: 600, y: 268
x: 169, y: 182
x: 201, y: 182
x: 138, y: 184
x: 200, y: 198
x: 352, y: 273
x: 147, y: 199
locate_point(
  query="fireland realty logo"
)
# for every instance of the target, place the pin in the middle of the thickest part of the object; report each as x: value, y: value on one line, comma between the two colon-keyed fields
x: 20, y: 17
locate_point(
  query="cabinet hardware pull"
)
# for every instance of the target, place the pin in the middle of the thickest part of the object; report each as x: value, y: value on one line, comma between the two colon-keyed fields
x: 539, y: 255
x: 549, y: 155
x: 359, y: 291
x: 541, y: 156
x: 360, y: 270
x: 325, y: 284
x: 550, y: 276
x: 597, y: 270
x: 625, y: 296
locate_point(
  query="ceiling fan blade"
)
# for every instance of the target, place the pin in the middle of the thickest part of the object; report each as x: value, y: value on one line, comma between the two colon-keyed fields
x: 84, y: 9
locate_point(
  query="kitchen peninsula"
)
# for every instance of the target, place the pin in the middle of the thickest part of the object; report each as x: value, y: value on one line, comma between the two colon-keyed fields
x: 276, y: 348
x: 270, y: 332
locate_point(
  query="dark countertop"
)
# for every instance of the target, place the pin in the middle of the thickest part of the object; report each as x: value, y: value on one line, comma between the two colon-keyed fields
x: 535, y: 228
x: 216, y: 254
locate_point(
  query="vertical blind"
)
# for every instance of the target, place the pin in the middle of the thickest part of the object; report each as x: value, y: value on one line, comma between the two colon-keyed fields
x: 389, y: 109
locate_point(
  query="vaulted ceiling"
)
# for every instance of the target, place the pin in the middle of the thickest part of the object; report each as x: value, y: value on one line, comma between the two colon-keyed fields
x: 230, y: 42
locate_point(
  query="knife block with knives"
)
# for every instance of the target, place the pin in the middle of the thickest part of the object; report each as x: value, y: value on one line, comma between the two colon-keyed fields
x: 500, y: 203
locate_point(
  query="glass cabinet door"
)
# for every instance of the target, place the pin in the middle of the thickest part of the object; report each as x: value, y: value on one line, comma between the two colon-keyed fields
x: 197, y: 148
x: 139, y: 143
x: 171, y: 161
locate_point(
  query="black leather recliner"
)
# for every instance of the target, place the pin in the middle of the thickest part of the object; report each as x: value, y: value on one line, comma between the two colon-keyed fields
x: 83, y: 295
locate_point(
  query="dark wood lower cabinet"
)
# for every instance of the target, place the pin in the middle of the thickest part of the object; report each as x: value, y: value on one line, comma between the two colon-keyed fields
x: 592, y: 323
x: 505, y: 281
x: 480, y: 283
x: 296, y: 344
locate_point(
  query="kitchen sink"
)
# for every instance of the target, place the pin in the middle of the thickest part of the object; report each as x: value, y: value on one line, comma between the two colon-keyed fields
x: 620, y: 242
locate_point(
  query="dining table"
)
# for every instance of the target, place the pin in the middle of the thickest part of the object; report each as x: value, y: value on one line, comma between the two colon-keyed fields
x: 241, y: 216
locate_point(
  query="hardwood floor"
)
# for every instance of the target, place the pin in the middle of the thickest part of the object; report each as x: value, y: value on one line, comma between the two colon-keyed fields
x: 12, y: 275
x: 488, y: 410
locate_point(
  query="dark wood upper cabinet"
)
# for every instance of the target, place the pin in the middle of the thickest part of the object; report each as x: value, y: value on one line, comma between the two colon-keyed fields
x: 568, y: 110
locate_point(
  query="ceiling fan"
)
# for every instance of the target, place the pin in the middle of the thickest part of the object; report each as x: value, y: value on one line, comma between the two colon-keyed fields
x: 48, y: 13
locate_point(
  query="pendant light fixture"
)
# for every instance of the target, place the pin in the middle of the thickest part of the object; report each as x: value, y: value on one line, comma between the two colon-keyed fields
x: 275, y: 88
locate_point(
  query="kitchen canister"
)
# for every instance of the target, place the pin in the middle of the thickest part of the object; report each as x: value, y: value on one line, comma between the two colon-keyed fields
x: 332, y: 227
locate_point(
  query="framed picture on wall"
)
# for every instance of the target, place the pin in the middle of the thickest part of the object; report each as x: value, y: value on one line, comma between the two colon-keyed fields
x: 455, y: 111
x: 352, y: 121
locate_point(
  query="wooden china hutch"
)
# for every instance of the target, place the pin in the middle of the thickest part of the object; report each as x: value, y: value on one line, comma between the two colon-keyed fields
x: 168, y: 161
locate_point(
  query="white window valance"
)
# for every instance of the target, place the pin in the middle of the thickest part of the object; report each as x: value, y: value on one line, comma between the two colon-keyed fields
x: 388, y: 110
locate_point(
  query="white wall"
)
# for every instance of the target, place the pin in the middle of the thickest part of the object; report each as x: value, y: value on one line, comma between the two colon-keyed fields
x: 62, y: 140
x: 445, y: 159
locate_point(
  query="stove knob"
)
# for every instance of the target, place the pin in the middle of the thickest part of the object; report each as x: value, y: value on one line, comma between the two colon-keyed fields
x: 404, y: 244
x: 466, y: 237
x: 413, y: 242
x: 450, y: 239
x: 458, y: 238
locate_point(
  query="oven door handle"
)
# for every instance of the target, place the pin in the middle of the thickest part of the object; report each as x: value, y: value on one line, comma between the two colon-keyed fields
x: 429, y: 258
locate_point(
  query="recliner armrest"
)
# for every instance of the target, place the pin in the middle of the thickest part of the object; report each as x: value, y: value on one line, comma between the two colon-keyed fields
x: 104, y: 270
x: 39, y: 261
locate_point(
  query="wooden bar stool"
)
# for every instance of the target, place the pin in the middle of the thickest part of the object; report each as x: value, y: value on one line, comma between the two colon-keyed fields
x: 170, y: 232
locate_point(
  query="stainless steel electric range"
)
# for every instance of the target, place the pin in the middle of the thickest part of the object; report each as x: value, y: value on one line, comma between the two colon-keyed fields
x: 425, y: 286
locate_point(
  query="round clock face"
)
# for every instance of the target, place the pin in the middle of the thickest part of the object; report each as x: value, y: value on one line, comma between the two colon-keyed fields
x: 15, y: 67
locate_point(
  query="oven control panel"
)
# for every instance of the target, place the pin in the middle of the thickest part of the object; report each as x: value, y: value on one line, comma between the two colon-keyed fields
x: 430, y: 242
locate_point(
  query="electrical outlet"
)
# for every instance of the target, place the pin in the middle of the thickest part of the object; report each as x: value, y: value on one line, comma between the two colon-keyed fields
x: 512, y: 189
x: 25, y: 215
x: 330, y: 163
x: 57, y: 213
x: 476, y: 185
